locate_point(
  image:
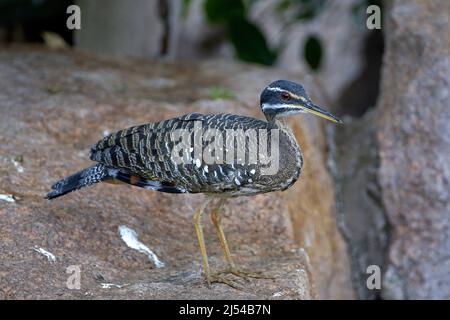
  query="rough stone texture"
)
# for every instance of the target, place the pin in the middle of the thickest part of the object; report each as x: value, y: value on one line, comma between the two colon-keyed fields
x: 55, y: 105
x: 414, y: 140
x: 361, y: 215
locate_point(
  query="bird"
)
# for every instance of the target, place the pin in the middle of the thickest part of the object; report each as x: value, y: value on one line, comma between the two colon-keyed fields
x: 219, y: 155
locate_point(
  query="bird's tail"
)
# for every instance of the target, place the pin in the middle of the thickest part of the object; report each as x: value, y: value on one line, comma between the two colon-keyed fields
x: 81, y: 179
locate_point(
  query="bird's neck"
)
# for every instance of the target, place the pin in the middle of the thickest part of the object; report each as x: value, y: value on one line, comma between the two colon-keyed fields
x: 282, y: 124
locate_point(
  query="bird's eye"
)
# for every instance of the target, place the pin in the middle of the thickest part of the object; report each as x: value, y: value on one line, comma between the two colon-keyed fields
x: 285, y: 96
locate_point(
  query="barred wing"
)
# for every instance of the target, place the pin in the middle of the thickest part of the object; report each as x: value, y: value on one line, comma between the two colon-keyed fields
x: 147, y: 152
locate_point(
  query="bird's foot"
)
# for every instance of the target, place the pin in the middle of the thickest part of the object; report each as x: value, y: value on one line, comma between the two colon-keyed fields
x: 220, y: 277
x: 244, y: 274
x: 223, y: 276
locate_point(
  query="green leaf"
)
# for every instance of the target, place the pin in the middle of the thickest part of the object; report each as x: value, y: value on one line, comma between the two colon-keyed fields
x: 217, y: 92
x: 223, y: 11
x: 249, y: 43
x: 312, y: 52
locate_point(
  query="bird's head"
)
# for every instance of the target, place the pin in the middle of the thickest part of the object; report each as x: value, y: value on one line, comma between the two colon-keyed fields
x: 284, y: 98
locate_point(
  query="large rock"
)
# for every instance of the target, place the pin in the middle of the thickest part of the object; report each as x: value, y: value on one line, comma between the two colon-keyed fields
x: 414, y: 142
x: 361, y: 214
x: 55, y: 105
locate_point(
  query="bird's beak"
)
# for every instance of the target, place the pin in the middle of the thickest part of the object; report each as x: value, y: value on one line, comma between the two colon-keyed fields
x: 318, y: 111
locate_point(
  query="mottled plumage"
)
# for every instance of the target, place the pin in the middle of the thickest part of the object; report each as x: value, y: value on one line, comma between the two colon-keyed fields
x: 141, y: 156
x: 145, y: 151
x: 224, y: 155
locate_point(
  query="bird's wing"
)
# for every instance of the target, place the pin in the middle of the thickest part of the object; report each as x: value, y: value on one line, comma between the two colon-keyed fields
x: 146, y: 151
x: 141, y: 149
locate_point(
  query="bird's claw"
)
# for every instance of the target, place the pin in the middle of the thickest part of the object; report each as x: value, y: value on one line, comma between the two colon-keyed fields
x: 219, y: 277
x: 245, y: 274
x: 223, y: 276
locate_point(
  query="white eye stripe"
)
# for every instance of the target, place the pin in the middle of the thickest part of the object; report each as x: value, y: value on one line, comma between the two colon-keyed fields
x: 277, y: 89
x: 267, y: 106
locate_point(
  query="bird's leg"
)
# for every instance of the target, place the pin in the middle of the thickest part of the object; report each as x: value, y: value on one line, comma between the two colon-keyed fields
x: 198, y: 223
x: 216, y: 219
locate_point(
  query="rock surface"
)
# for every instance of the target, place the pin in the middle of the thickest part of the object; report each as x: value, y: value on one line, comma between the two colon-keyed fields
x: 55, y: 105
x: 414, y: 141
x: 361, y: 214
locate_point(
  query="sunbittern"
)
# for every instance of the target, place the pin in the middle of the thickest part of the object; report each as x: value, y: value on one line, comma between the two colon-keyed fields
x: 220, y: 155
